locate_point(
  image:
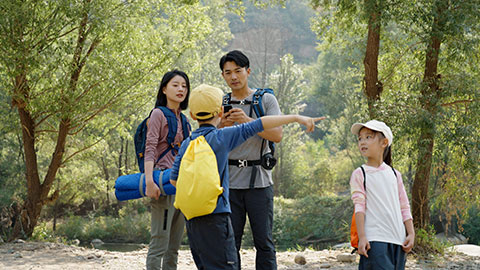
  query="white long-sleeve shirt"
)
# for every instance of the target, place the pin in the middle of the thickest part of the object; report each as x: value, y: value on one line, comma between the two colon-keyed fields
x: 385, y: 203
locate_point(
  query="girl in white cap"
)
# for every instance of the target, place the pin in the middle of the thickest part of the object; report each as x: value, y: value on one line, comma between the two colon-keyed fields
x: 382, y: 210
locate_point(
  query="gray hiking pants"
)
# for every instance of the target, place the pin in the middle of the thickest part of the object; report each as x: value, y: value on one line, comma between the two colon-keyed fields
x: 167, y: 227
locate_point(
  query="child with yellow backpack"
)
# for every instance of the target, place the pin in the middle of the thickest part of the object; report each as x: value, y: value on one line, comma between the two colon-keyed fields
x: 200, y: 174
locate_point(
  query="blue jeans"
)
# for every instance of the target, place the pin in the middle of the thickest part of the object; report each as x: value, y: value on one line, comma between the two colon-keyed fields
x: 383, y: 256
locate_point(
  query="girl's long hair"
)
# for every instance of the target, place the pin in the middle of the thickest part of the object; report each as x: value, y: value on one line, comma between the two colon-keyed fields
x: 387, y: 153
x: 162, y: 98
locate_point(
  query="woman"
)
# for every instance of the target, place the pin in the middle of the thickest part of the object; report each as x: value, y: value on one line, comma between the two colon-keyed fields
x: 167, y: 222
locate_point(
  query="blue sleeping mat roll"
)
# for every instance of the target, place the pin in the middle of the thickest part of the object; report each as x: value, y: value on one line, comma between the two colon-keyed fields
x: 132, y: 186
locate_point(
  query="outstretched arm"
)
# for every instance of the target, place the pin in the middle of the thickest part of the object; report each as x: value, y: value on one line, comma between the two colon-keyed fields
x: 272, y: 121
x: 237, y: 115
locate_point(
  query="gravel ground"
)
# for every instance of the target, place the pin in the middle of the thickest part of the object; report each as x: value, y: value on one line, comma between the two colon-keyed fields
x: 54, y: 256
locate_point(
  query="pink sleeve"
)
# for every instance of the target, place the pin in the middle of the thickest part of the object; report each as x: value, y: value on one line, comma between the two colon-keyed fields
x: 357, y: 190
x: 404, y: 204
x: 156, y: 121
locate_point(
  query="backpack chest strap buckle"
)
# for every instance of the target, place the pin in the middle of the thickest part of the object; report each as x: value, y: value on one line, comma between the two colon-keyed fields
x: 242, y: 163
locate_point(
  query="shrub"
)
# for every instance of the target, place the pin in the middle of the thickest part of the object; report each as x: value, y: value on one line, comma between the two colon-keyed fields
x: 131, y: 228
x: 43, y: 232
x: 427, y: 244
x: 73, y: 228
x: 317, y: 221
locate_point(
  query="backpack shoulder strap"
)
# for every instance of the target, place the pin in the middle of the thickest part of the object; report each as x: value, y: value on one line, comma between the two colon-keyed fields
x: 185, y: 126
x: 258, y: 108
x: 364, y: 179
x: 172, y: 131
x: 257, y: 100
x: 172, y: 123
x: 394, y: 172
x: 227, y: 98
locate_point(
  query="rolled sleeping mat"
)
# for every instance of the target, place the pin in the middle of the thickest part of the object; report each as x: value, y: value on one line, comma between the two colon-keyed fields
x: 132, y: 186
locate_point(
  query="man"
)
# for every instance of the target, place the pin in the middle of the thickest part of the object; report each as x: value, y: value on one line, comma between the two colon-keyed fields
x: 251, y: 185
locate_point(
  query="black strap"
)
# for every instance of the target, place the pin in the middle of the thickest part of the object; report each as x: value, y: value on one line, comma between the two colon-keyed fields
x: 240, y: 102
x: 394, y: 172
x: 365, y: 177
x: 252, y: 177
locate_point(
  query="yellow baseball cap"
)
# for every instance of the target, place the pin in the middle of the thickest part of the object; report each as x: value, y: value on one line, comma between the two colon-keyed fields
x: 205, y: 101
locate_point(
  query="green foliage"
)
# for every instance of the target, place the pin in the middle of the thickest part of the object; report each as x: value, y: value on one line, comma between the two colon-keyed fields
x: 266, y: 35
x: 90, y: 66
x: 132, y: 228
x: 73, y: 228
x: 43, y: 232
x: 313, y: 220
x: 11, y: 155
x: 471, y: 227
x: 406, y: 28
x: 427, y: 244
x: 290, y: 89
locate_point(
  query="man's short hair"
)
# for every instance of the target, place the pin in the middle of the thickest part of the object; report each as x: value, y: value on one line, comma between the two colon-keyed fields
x: 235, y: 56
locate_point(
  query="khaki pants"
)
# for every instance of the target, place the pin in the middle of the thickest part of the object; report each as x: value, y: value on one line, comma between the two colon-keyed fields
x: 167, y: 227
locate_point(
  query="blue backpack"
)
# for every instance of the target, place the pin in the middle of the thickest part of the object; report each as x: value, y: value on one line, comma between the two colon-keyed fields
x: 140, y: 136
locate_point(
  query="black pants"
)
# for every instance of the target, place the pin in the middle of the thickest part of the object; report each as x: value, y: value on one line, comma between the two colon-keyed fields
x: 212, y: 242
x: 258, y: 205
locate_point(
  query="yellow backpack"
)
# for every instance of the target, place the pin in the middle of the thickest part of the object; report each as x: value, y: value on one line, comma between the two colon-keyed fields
x: 198, y: 183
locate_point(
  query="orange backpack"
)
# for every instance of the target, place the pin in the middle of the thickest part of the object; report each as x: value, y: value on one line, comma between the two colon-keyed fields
x: 353, y: 226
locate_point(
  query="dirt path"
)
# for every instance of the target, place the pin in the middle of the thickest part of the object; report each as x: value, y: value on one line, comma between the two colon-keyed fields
x: 52, y: 256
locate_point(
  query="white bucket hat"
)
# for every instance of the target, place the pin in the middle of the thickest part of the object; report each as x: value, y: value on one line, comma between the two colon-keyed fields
x: 376, y: 126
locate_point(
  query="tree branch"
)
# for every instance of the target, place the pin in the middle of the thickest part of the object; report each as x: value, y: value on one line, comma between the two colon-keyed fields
x: 465, y: 102
x: 91, y: 145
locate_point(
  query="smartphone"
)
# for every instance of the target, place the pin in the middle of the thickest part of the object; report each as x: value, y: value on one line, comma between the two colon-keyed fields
x: 227, y: 108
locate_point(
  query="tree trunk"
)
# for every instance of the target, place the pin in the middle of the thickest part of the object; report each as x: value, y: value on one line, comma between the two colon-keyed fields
x: 107, y: 177
x: 126, y: 155
x: 373, y: 87
x: 26, y: 220
x: 429, y: 101
x: 278, y: 171
x: 38, y: 193
x: 120, y: 155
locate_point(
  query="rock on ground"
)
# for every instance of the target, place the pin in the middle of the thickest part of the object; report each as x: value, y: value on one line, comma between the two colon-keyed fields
x: 470, y: 250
